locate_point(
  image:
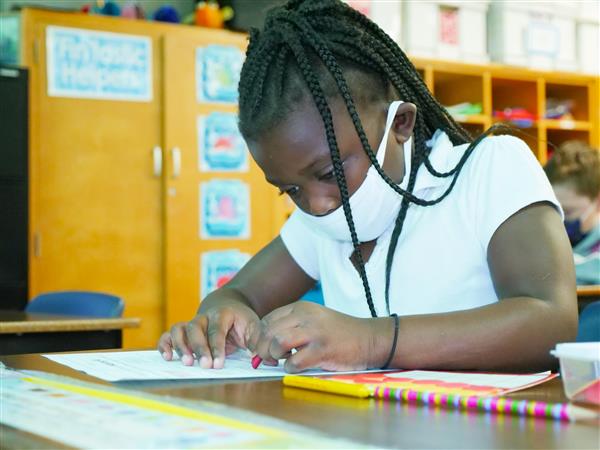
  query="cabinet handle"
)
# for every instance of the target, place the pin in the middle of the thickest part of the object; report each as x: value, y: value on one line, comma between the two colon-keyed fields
x: 157, y: 160
x: 176, y: 155
x: 37, y: 244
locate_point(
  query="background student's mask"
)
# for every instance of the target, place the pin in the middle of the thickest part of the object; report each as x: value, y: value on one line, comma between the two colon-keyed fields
x: 374, y: 205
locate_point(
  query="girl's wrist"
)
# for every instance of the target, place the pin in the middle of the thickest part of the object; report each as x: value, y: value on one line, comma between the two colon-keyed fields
x: 381, y: 335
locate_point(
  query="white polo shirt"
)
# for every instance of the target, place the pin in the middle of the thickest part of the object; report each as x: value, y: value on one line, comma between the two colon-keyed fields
x: 440, y: 262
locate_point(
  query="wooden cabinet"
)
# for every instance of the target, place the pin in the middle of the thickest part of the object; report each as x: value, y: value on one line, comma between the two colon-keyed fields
x: 184, y: 243
x: 95, y: 202
x: 108, y: 210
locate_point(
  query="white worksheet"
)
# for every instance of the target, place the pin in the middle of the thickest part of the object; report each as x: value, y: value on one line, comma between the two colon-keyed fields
x: 149, y: 365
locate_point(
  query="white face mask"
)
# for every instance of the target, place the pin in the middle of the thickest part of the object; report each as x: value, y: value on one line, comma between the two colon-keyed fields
x: 374, y: 205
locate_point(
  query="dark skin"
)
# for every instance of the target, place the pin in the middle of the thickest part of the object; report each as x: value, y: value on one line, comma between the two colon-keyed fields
x: 529, y: 257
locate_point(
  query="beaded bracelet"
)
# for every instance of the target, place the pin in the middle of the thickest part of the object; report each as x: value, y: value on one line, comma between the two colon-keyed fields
x: 394, y: 342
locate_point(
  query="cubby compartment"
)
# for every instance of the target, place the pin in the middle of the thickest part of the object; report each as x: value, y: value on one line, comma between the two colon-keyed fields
x: 515, y: 101
x: 566, y: 102
x: 559, y: 137
x: 531, y: 136
x: 461, y: 94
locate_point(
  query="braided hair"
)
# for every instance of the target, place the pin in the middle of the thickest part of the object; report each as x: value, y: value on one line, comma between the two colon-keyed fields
x: 324, y: 49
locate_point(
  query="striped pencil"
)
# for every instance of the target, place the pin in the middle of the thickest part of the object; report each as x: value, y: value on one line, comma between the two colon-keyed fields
x: 498, y: 405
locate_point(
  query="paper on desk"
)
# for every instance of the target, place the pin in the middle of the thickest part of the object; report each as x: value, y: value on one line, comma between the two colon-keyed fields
x: 149, y: 365
x: 107, y: 417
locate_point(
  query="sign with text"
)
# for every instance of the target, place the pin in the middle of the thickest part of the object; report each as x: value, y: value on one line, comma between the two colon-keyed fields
x: 98, y: 65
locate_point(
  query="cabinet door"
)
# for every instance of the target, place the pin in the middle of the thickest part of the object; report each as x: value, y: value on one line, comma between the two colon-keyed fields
x: 96, y: 199
x: 204, y: 183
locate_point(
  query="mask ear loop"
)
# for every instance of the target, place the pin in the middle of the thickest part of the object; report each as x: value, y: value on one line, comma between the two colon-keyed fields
x: 391, y: 115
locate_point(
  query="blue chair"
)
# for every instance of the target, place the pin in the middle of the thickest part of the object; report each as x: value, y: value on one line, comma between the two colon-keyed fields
x: 77, y: 303
x: 314, y: 295
x: 589, y: 323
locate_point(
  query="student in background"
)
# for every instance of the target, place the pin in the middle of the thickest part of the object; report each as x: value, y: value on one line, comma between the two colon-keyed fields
x: 574, y: 171
x: 433, y: 250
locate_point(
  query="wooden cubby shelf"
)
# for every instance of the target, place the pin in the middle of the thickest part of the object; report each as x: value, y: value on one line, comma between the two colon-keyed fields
x: 577, y: 125
x: 499, y: 87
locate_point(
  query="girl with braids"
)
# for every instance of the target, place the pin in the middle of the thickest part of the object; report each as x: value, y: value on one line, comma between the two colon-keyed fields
x: 433, y: 250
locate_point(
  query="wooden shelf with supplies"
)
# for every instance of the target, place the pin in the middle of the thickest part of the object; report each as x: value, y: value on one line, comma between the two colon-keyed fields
x: 498, y: 87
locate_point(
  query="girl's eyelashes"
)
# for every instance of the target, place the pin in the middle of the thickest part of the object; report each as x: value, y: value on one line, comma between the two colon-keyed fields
x: 326, y: 176
x: 329, y: 175
x: 291, y: 191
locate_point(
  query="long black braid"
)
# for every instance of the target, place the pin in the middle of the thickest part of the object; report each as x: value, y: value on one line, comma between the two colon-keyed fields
x: 329, y: 50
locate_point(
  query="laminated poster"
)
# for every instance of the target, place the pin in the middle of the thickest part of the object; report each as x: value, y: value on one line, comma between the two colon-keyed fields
x: 218, y: 70
x: 220, y: 144
x: 218, y: 267
x: 224, y: 210
x: 98, y: 65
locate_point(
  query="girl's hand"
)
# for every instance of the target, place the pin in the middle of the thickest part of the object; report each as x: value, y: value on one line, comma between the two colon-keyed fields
x: 211, y: 335
x: 323, y: 338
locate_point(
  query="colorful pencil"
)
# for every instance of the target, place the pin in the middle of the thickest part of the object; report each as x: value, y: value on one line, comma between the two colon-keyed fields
x: 498, y: 405
x: 320, y: 384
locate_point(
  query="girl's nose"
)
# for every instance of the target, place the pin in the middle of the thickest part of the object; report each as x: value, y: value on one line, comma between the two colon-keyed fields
x: 321, y: 205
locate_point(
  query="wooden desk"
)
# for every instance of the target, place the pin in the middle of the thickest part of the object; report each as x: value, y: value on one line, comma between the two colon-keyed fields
x: 588, y: 291
x: 375, y: 422
x: 587, y: 295
x: 22, y: 332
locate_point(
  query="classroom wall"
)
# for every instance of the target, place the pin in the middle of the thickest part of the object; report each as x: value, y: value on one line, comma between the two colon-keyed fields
x: 183, y: 7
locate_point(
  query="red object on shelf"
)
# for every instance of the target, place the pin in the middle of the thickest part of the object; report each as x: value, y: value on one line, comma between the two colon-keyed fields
x: 517, y: 116
x: 514, y: 114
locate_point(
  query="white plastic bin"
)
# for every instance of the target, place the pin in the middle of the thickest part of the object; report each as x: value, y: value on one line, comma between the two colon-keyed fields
x: 386, y: 14
x: 453, y: 30
x: 588, y: 37
x: 580, y: 370
x: 540, y: 35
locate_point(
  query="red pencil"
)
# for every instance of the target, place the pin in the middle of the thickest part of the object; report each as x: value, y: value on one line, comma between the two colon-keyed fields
x: 256, y: 360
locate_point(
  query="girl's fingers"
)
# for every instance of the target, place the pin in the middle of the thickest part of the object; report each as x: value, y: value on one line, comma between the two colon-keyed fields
x: 284, y: 341
x: 305, y: 358
x: 217, y: 335
x: 165, y: 346
x: 277, y: 329
x: 254, y: 336
x: 180, y: 344
x: 196, y: 336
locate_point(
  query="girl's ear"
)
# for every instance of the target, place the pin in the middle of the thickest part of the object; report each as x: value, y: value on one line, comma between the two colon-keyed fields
x: 404, y: 122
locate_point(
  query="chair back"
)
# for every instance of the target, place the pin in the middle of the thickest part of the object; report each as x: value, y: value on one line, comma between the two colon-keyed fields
x: 77, y: 303
x: 589, y: 323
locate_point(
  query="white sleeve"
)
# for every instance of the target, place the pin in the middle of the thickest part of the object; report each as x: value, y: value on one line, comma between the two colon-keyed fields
x: 506, y: 178
x: 302, y: 243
